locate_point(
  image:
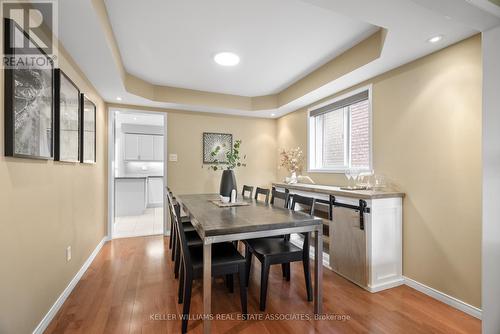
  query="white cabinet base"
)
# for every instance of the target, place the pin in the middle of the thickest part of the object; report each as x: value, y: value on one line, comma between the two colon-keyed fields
x: 383, y: 228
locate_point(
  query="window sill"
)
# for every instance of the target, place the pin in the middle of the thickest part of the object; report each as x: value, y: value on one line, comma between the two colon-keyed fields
x: 330, y: 171
x: 335, y: 171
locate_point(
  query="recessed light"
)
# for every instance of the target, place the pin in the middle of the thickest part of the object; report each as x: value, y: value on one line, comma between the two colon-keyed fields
x: 118, y: 98
x: 227, y: 59
x: 435, y: 39
x: 273, y: 114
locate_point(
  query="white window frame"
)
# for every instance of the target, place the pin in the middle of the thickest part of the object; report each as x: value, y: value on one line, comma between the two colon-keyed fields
x: 311, y: 142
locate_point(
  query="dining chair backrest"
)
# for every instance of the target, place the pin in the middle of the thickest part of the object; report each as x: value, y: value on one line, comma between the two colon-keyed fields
x: 281, y: 196
x: 262, y: 192
x: 247, y: 189
x: 170, y: 205
x: 175, y: 210
x: 306, y: 203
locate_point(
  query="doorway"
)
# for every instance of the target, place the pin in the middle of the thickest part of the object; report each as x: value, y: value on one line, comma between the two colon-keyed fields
x: 137, y: 170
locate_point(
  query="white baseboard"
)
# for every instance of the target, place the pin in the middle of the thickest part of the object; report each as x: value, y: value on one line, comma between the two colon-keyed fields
x: 431, y: 292
x: 42, y: 326
x: 387, y: 285
x: 443, y: 297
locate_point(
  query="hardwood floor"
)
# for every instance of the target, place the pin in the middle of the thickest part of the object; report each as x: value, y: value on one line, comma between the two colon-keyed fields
x: 130, y: 288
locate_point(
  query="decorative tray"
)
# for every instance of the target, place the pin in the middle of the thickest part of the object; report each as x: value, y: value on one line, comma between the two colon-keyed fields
x: 220, y: 204
x: 354, y: 188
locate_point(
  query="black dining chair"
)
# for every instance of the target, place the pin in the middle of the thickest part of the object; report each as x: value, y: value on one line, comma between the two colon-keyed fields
x: 271, y: 251
x: 262, y: 192
x: 186, y: 220
x: 173, y: 237
x: 191, y: 235
x: 247, y: 189
x: 226, y: 260
x: 284, y: 196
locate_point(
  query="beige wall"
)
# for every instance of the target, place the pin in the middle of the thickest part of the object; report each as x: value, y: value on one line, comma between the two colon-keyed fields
x: 46, y: 206
x: 427, y: 140
x: 426, y: 121
x: 184, y: 135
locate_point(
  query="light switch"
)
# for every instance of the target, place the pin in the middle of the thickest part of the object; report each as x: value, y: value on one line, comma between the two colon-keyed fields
x: 68, y: 253
x: 172, y: 157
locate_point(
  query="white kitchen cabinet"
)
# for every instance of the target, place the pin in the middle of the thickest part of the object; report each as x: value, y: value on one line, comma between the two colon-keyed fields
x: 155, y: 191
x: 130, y: 194
x: 158, y: 148
x: 143, y: 147
x: 131, y: 146
x: 146, y: 147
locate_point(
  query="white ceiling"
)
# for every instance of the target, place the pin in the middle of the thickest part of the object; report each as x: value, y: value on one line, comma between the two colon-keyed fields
x: 409, y: 23
x: 172, y: 42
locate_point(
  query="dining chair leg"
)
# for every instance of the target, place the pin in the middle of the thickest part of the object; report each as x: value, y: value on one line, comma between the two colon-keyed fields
x: 174, y: 239
x: 288, y: 271
x: 177, y: 259
x: 307, y: 268
x: 307, y: 274
x: 171, y: 234
x: 264, y: 275
x: 230, y: 282
x: 188, y: 284
x: 243, y: 290
x: 248, y: 264
x: 180, y: 293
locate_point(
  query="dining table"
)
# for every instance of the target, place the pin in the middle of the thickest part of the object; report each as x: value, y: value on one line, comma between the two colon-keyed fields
x: 254, y: 219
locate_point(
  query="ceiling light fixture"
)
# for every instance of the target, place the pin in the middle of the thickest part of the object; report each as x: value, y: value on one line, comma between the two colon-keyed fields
x: 435, y: 39
x: 118, y: 98
x: 273, y: 114
x: 227, y: 59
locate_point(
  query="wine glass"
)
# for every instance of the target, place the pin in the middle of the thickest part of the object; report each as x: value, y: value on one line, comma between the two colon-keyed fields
x: 348, y: 176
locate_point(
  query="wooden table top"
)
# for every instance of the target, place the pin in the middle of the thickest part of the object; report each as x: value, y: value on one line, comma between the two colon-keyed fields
x: 211, y: 220
x: 334, y: 190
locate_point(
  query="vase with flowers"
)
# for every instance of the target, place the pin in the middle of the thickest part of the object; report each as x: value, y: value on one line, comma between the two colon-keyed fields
x: 292, y: 160
x: 232, y: 160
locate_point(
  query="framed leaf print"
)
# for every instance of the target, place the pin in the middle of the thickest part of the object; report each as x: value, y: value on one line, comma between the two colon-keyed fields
x: 88, y: 131
x: 28, y: 100
x: 213, y: 140
x: 67, y: 119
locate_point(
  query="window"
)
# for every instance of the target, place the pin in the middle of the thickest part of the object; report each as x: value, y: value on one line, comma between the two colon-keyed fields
x: 340, y: 134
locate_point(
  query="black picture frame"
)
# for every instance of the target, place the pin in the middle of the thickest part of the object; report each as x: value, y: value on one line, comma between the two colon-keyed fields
x: 87, y: 111
x: 63, y: 86
x: 210, y: 140
x: 20, y: 145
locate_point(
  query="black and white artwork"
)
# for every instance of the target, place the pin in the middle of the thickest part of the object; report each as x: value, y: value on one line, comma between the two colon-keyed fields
x: 88, y: 128
x: 67, y: 119
x: 29, y: 96
x: 211, y: 141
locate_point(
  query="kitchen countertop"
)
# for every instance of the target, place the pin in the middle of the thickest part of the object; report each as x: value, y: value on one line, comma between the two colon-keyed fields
x: 334, y: 190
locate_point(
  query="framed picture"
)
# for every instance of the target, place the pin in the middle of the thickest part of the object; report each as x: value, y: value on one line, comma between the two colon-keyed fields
x: 66, y: 119
x: 28, y: 100
x: 211, y: 141
x: 88, y: 131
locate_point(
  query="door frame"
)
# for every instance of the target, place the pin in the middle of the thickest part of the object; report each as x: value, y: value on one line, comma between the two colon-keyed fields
x: 111, y: 115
